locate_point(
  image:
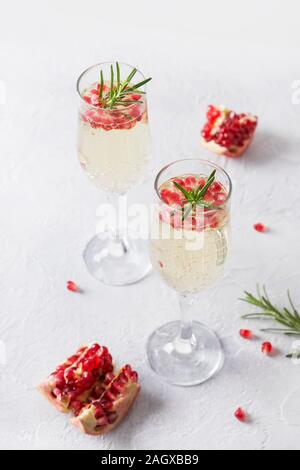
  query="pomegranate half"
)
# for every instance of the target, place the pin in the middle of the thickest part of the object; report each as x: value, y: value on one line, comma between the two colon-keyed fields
x: 102, y: 415
x: 228, y: 133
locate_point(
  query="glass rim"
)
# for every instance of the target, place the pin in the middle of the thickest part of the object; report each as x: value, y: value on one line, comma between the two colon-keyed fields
x: 99, y: 64
x: 200, y: 160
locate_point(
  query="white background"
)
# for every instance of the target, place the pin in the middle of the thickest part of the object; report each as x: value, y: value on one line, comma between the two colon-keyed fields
x: 241, y: 54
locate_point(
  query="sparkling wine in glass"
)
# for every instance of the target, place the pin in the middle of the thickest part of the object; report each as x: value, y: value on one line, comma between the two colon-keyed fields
x: 114, y: 151
x: 189, y: 248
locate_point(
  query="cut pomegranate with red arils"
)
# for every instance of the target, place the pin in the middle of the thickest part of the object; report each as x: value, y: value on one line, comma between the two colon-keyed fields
x: 101, y: 416
x: 75, y: 379
x: 228, y: 133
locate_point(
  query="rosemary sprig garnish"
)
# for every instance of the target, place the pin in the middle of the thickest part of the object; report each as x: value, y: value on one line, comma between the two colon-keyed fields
x: 194, y: 197
x: 288, y: 317
x: 116, y: 96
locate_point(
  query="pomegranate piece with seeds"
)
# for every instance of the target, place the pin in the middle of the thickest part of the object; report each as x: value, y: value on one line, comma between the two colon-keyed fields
x: 79, y: 376
x: 102, y: 415
x: 228, y: 133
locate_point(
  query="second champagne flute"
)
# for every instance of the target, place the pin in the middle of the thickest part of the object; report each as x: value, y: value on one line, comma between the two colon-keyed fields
x: 114, y: 151
x: 189, y: 247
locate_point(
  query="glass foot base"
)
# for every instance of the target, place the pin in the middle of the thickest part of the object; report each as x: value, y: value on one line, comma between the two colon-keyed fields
x: 117, y: 262
x: 185, y: 363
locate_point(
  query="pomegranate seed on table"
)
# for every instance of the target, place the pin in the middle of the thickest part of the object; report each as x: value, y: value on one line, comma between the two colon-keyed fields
x: 72, y: 286
x: 246, y: 334
x: 260, y: 228
x: 240, y: 415
x: 267, y: 348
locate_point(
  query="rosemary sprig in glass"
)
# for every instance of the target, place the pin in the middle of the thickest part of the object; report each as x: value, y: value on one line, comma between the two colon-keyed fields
x: 116, y: 96
x: 195, y: 197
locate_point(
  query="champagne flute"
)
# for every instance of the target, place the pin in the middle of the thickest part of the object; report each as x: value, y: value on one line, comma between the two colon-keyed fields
x: 114, y: 151
x: 189, y: 247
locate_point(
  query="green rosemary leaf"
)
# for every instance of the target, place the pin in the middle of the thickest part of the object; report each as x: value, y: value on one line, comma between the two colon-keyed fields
x: 138, y: 85
x: 291, y: 321
x: 112, y: 81
x: 187, y: 212
x: 183, y: 190
x: 101, y: 85
x: 118, y: 74
x: 294, y: 355
x: 128, y: 91
x: 119, y: 90
x: 208, y: 206
x: 208, y: 183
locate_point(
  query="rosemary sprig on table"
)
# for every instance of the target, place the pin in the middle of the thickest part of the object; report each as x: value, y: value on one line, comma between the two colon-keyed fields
x: 116, y: 96
x: 195, y: 197
x: 288, y: 317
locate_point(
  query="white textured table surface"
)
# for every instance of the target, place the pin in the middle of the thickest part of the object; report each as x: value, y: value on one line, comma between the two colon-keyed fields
x: 197, y: 54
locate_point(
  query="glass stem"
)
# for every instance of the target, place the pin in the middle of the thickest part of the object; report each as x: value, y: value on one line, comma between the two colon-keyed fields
x: 119, y: 207
x: 185, y: 341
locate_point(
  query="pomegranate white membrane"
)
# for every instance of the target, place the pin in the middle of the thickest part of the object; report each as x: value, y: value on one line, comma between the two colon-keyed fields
x: 190, y: 254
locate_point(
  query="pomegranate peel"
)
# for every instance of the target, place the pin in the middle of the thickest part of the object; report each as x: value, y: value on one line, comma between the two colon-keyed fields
x: 102, y: 415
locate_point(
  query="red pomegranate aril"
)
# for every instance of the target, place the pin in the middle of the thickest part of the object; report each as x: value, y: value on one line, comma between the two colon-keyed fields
x: 106, y: 404
x: 99, y: 412
x: 110, y: 395
x: 122, y: 378
x: 246, y: 334
x: 76, y: 406
x: 112, y: 417
x: 190, y: 181
x: 216, y: 187
x: 87, y: 99
x: 179, y: 181
x: 134, y: 376
x: 267, y: 348
x: 261, y: 228
x: 72, y: 286
x: 136, y: 97
x: 102, y: 420
x: 240, y: 415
